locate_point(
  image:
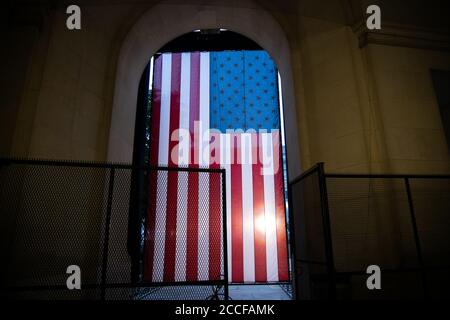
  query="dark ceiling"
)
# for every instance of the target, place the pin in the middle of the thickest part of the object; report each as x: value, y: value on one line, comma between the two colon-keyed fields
x: 210, y: 40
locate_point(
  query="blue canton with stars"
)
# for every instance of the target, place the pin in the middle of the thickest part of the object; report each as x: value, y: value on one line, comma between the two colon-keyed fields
x: 243, y: 91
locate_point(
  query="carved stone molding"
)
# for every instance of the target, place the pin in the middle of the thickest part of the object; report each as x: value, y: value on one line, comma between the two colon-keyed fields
x: 393, y: 34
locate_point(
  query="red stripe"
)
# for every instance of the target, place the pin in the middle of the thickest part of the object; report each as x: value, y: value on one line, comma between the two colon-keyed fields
x: 153, y: 175
x: 259, y: 214
x: 192, y: 213
x: 237, y: 253
x: 172, y: 176
x: 280, y: 212
x: 215, y: 211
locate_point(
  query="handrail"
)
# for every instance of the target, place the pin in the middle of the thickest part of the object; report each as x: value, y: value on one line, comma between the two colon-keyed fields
x: 305, y: 173
x: 106, y: 165
x: 315, y: 168
x: 387, y: 176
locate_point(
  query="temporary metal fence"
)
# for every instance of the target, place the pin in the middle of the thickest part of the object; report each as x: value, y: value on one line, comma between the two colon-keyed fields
x: 54, y: 214
x: 345, y: 222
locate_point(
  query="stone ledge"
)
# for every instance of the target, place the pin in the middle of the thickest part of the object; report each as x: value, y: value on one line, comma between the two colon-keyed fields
x: 393, y: 34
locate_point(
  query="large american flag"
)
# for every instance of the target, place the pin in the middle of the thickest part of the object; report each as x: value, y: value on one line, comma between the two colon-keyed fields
x: 216, y: 110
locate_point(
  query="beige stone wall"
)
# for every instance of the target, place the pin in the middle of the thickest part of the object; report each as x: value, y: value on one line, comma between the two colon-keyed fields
x: 371, y: 108
x: 64, y: 108
x: 15, y: 61
x: 409, y: 113
x: 334, y: 97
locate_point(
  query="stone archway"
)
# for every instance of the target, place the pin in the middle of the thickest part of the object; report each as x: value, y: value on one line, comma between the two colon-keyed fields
x: 164, y: 22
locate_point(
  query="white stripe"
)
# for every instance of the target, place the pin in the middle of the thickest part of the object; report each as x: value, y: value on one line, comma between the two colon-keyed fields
x: 160, y: 227
x: 225, y: 160
x: 270, y: 214
x: 204, y: 109
x: 163, y: 150
x: 203, y: 191
x: 247, y: 208
x: 163, y: 156
x: 183, y: 160
x: 185, y: 103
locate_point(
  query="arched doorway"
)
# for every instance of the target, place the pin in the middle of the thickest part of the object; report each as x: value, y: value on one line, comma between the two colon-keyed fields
x: 156, y: 28
x: 164, y: 22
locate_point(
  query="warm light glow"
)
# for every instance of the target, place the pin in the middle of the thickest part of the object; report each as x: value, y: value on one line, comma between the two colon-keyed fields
x: 263, y: 224
x: 260, y: 224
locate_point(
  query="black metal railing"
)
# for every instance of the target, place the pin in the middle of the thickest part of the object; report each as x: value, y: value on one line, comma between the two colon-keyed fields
x: 346, y: 222
x: 57, y: 213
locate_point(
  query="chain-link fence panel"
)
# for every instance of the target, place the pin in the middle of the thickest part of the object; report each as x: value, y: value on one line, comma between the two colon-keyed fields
x: 312, y: 273
x: 58, y: 214
x: 399, y: 223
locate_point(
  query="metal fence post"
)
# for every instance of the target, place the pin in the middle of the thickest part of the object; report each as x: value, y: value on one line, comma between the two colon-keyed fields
x: 107, y: 228
x: 327, y: 232
x: 224, y: 223
x: 416, y: 236
x: 292, y: 244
